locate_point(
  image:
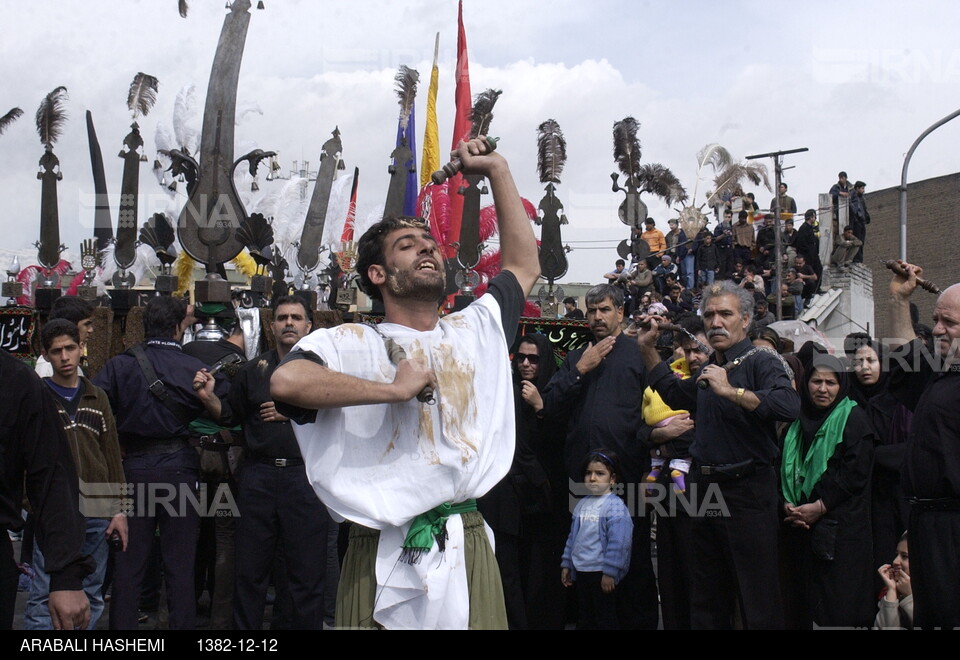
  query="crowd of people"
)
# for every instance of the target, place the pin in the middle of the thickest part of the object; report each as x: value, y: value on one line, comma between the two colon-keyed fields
x: 809, y: 452
x: 773, y: 478
x: 744, y: 250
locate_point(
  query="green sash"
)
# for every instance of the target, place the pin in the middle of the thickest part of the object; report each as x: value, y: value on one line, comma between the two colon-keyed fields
x: 798, y: 477
x: 427, y: 527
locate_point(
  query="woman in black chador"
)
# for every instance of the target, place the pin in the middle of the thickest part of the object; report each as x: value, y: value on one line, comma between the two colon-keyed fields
x: 528, y: 510
x: 891, y: 423
x: 825, y: 485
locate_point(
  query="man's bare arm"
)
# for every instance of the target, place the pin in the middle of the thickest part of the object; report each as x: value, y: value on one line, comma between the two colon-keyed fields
x: 518, y: 245
x: 309, y: 385
x: 901, y: 288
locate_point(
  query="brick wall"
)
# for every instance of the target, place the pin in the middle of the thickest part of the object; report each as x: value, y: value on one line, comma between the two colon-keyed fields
x: 933, y: 227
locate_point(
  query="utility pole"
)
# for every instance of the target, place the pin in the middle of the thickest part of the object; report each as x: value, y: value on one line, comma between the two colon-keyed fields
x: 778, y: 236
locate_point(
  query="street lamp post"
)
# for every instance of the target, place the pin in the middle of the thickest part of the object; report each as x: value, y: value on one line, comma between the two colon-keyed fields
x: 903, y: 181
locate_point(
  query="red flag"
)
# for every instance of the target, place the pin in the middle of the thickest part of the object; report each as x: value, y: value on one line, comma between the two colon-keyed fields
x: 346, y: 257
x: 349, y: 222
x: 461, y: 126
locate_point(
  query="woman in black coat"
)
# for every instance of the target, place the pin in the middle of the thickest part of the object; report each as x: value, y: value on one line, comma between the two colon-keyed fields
x: 825, y: 484
x: 528, y: 509
x: 891, y: 425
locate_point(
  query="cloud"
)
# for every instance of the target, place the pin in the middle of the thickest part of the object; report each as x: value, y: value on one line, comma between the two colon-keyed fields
x: 755, y: 78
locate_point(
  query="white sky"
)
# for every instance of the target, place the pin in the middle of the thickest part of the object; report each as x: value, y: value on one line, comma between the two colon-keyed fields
x: 856, y: 83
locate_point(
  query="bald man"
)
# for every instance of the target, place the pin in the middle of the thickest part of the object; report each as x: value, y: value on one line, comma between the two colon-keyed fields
x: 930, y: 387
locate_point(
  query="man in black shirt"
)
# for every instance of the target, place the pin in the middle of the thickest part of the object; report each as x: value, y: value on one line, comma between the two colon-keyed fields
x: 859, y: 217
x: 570, y: 305
x: 723, y: 239
x: 278, y: 508
x: 32, y: 444
x: 805, y: 273
x: 930, y: 476
x: 807, y: 245
x: 598, y: 392
x: 734, y: 451
x: 220, y: 453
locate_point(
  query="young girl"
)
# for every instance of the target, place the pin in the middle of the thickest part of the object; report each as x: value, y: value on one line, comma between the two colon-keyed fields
x: 597, y: 554
x: 896, y: 604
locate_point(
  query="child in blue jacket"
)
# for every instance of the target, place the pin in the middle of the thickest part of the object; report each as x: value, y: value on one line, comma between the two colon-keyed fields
x: 597, y: 554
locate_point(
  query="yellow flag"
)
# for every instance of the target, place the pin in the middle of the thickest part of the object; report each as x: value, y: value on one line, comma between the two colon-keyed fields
x: 430, y: 161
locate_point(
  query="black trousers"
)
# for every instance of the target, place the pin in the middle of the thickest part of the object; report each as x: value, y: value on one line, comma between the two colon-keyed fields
x: 279, y: 512
x: 673, y: 569
x: 508, y: 559
x: 636, y: 595
x: 935, y: 568
x: 541, y: 542
x: 860, y: 231
x: 163, y: 485
x: 725, y: 266
x: 734, y: 552
x: 596, y: 610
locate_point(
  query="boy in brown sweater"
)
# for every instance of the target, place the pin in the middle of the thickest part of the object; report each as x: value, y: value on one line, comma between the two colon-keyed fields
x: 87, y: 421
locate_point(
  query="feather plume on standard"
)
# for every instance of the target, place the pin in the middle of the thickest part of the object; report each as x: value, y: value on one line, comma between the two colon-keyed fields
x: 482, y: 112
x: 256, y: 234
x: 185, y: 114
x: 51, y: 116
x: 727, y: 182
x: 290, y: 210
x: 9, y: 118
x: 143, y: 258
x: 626, y: 146
x: 552, y: 151
x: 142, y: 94
x: 715, y: 156
x: 158, y: 233
x: 183, y: 8
x: 659, y: 180
x: 406, y: 80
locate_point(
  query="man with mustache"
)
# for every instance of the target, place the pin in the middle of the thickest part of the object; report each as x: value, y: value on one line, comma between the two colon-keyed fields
x: 930, y: 476
x: 734, y: 451
x: 403, y: 464
x: 278, y: 509
x: 598, y: 392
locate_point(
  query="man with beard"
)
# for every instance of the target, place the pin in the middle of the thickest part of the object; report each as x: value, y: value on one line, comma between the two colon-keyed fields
x: 278, y: 508
x: 598, y: 392
x: 379, y: 454
x: 748, y: 390
x: 930, y: 475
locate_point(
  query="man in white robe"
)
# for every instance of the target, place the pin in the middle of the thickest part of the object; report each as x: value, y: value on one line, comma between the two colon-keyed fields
x: 378, y: 456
